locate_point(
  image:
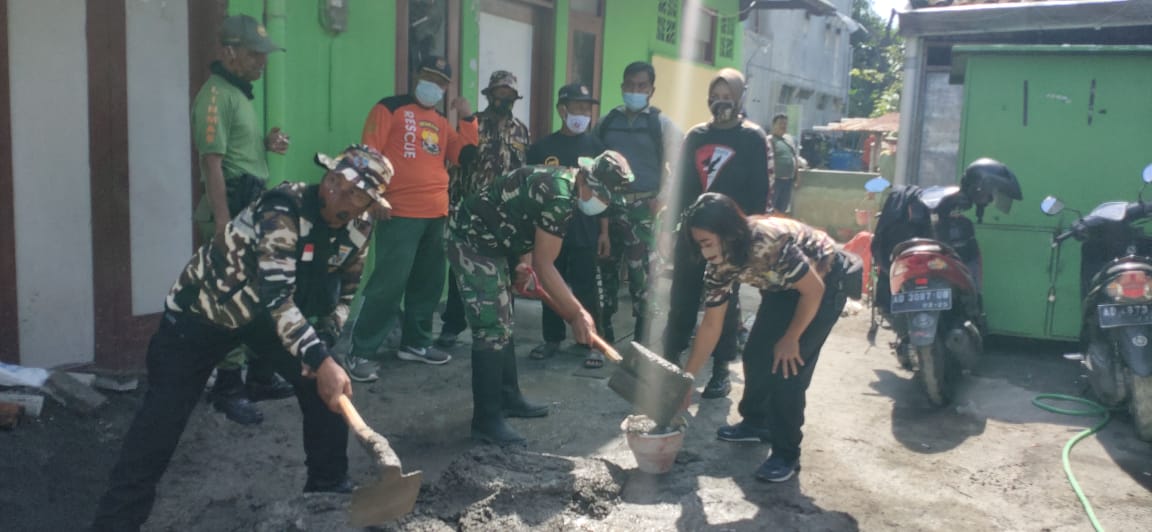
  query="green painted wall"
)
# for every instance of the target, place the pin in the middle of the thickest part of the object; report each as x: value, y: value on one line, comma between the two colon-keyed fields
x: 321, y: 90
x: 829, y: 200
x: 470, y: 52
x: 1079, y: 132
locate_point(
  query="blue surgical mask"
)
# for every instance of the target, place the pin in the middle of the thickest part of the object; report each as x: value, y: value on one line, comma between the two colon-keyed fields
x: 428, y: 93
x: 577, y: 123
x: 635, y: 101
x: 592, y: 206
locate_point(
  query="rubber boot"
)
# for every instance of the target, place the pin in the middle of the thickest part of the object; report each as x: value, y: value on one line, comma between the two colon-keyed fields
x: 488, y: 424
x: 512, y: 402
x: 228, y: 396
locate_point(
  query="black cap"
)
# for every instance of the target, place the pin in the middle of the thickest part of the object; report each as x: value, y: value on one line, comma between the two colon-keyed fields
x: 436, y: 65
x: 575, y: 92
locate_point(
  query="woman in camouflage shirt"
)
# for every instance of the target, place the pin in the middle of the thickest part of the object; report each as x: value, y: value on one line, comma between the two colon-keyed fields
x: 526, y: 211
x: 800, y: 272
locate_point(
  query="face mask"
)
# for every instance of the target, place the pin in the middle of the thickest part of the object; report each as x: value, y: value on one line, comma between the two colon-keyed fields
x: 428, y: 94
x: 578, y: 123
x: 502, y: 105
x: 635, y: 101
x: 722, y: 110
x: 591, y: 206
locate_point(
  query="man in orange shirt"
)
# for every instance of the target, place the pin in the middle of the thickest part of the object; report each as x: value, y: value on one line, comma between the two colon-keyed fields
x: 410, y: 264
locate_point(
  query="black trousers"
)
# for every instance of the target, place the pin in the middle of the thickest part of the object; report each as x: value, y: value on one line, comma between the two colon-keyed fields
x: 180, y: 358
x: 687, y: 292
x: 577, y: 265
x: 771, y: 401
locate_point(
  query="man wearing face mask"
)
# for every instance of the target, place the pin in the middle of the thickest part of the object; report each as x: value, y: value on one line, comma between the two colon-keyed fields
x: 732, y: 156
x: 502, y: 148
x: 577, y: 260
x: 649, y: 140
x: 410, y: 265
x: 526, y: 211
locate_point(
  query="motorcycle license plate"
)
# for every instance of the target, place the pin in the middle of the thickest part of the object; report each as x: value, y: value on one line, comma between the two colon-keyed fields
x: 1122, y: 315
x: 922, y: 300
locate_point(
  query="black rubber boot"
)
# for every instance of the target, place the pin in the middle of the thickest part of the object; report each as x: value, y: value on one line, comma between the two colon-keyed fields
x: 512, y: 402
x: 719, y: 385
x: 488, y: 424
x: 228, y: 396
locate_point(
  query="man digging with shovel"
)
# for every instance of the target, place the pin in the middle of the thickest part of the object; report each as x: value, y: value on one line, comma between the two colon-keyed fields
x: 526, y: 211
x: 293, y: 256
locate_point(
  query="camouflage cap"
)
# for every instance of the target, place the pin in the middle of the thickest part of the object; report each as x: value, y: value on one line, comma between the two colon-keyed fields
x: 501, y: 78
x: 243, y: 31
x: 365, y: 167
x: 608, y: 175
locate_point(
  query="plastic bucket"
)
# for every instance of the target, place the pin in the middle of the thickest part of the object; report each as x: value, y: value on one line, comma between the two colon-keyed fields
x: 654, y: 453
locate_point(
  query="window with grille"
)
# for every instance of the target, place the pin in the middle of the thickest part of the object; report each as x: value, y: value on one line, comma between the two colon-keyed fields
x: 727, y: 45
x: 667, y: 21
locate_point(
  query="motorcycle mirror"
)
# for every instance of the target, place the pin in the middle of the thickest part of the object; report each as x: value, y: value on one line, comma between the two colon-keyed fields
x: 1148, y: 174
x: 878, y: 184
x: 1051, y: 206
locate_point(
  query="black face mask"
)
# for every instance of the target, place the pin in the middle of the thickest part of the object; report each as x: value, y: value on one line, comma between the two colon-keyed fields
x: 502, y: 105
x: 722, y: 110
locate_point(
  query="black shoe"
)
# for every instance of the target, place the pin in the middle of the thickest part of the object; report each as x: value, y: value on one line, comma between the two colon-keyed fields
x: 343, y: 485
x: 446, y: 340
x: 238, y: 408
x: 266, y: 389
x: 742, y: 432
x: 718, y: 386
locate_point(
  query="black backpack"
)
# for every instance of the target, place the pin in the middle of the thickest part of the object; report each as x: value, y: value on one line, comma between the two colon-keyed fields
x: 654, y: 129
x: 902, y: 217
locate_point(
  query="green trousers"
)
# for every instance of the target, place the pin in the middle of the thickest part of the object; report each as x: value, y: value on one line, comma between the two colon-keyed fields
x: 410, y: 268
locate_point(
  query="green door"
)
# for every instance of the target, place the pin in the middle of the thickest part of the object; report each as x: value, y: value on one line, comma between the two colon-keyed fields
x: 1073, y: 122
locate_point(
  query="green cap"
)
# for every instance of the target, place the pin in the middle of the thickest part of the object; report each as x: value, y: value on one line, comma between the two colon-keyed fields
x: 244, y: 32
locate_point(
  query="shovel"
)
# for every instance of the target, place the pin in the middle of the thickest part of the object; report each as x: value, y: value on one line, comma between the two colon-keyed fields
x: 654, y: 386
x: 394, y: 494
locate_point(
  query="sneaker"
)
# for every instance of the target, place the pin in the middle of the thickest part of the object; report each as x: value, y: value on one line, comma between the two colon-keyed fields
x: 427, y: 355
x: 777, y: 469
x: 362, y: 369
x: 447, y: 339
x: 742, y: 432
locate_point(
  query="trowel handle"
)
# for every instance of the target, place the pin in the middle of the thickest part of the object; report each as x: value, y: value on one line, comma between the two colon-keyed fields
x: 597, y: 341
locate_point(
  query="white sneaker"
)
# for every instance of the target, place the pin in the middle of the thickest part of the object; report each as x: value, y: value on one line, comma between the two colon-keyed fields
x: 427, y: 355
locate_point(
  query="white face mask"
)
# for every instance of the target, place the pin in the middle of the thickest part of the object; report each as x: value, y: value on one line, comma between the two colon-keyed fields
x: 577, y: 123
x: 592, y: 206
x: 428, y: 93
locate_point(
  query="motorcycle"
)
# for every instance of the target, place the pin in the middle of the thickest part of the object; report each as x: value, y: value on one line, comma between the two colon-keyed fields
x: 934, y: 277
x: 1116, y: 295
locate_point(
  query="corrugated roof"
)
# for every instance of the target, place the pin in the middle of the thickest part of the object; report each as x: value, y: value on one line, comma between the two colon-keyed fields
x: 883, y: 123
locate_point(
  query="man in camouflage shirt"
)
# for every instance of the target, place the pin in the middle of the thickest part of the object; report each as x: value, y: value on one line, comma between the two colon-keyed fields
x: 280, y: 281
x: 502, y: 148
x: 525, y: 211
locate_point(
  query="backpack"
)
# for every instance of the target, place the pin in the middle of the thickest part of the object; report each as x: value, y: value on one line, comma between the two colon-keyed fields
x: 655, y: 131
x: 902, y: 217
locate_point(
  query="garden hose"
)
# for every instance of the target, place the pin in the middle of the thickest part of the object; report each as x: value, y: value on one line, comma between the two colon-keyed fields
x: 1094, y: 409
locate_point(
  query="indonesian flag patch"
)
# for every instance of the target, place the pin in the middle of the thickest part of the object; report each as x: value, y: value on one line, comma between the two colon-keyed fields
x: 309, y: 251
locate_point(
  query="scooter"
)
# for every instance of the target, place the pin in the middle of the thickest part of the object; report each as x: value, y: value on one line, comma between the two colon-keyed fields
x: 1116, y: 290
x: 935, y: 307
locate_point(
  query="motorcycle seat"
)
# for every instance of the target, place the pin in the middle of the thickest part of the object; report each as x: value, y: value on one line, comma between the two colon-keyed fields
x: 923, y: 245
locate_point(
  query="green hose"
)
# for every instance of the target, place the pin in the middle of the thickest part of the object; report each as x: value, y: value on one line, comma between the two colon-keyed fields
x: 1094, y: 409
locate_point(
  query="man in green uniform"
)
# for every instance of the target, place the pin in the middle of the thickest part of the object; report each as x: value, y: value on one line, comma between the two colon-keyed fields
x: 788, y: 162
x: 525, y: 211
x: 234, y: 172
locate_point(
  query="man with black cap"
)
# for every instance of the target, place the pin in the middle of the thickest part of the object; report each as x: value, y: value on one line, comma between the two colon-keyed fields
x: 577, y: 259
x: 280, y: 281
x: 234, y: 172
x: 416, y: 137
x: 503, y: 143
x: 526, y: 211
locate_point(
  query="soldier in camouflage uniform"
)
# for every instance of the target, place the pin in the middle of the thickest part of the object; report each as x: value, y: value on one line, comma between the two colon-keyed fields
x: 525, y: 211
x: 280, y: 281
x: 502, y: 148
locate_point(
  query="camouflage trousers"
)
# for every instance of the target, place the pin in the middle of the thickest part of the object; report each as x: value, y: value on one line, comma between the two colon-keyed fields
x: 486, y: 289
x: 632, y: 235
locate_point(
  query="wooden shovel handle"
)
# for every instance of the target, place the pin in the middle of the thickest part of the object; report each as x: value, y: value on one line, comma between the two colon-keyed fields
x: 597, y: 341
x: 355, y: 422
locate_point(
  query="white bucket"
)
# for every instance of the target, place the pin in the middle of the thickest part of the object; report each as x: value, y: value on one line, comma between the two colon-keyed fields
x: 654, y: 453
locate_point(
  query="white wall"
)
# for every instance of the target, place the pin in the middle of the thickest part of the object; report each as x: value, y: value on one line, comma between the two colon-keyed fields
x: 158, y: 148
x: 49, y: 80
x: 506, y: 44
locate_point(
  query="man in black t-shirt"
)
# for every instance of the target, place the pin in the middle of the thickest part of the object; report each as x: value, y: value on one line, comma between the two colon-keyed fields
x: 732, y: 156
x: 587, y: 235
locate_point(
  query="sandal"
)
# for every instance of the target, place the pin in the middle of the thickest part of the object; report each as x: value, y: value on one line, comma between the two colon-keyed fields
x: 594, y: 360
x: 544, y: 350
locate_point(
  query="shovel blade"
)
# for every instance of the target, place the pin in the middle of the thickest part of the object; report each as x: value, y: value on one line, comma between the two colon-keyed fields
x: 655, y: 387
x: 390, y: 498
